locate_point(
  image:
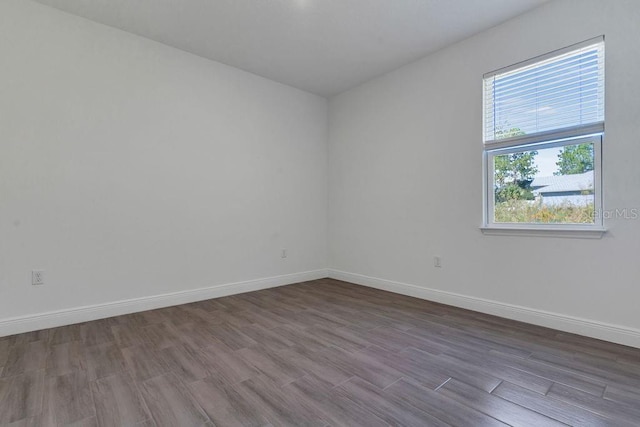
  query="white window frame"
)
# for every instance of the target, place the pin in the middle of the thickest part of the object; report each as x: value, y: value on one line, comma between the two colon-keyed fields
x: 592, y: 133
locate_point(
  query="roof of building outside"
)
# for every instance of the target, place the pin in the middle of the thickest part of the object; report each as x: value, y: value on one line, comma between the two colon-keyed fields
x: 563, y: 183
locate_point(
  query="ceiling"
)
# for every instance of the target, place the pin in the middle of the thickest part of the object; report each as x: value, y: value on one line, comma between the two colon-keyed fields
x: 321, y: 46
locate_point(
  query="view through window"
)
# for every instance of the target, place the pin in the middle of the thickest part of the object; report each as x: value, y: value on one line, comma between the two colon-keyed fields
x: 545, y: 185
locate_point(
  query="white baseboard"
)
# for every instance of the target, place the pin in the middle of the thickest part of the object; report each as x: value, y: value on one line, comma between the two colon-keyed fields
x: 70, y: 316
x: 590, y: 328
x: 600, y: 330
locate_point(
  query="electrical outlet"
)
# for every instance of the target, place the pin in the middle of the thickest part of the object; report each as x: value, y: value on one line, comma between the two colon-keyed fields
x: 37, y: 277
x: 437, y: 261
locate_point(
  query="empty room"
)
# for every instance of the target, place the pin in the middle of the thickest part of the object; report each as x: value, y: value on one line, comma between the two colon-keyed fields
x: 319, y: 213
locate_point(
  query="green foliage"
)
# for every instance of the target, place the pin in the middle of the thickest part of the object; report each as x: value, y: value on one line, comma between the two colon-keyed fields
x: 506, y: 131
x: 513, y: 172
x: 515, y: 168
x: 514, y: 192
x: 523, y: 211
x: 574, y: 159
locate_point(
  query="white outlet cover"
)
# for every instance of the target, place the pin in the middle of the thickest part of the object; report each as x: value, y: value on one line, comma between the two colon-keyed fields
x: 37, y: 277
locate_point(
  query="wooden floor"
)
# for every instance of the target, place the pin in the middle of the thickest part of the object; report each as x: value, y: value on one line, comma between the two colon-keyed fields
x: 318, y: 353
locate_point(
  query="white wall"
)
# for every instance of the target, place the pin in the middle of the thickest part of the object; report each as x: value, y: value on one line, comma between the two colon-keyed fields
x: 405, y: 182
x: 129, y: 169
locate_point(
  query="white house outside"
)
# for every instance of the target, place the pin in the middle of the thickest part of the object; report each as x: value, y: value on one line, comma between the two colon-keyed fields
x: 575, y: 190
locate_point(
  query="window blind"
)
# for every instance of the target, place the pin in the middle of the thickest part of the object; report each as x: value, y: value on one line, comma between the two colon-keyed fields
x: 560, y: 91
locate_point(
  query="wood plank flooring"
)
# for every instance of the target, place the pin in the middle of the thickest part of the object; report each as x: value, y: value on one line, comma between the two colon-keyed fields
x: 323, y: 353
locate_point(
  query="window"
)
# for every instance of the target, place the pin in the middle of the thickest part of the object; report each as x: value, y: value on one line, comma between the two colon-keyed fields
x: 543, y: 133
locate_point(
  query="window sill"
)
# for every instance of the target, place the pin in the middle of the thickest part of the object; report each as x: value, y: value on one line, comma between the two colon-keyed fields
x: 572, y: 233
